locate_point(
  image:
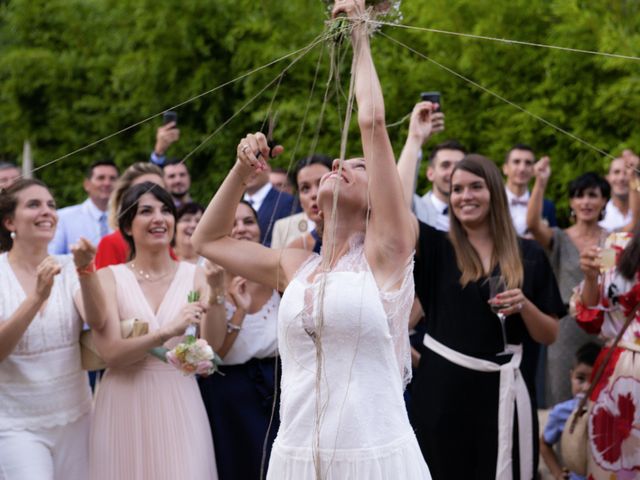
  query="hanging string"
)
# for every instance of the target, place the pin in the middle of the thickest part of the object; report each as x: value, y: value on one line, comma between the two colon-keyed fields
x: 304, y: 50
x: 500, y: 97
x: 508, y: 41
x: 174, y: 107
x: 292, y: 157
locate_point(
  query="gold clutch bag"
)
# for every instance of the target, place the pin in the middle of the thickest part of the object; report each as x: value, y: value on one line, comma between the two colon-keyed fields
x: 89, y: 357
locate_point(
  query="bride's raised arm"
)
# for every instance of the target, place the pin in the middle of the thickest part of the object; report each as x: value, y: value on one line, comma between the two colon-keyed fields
x: 212, y: 239
x: 390, y: 234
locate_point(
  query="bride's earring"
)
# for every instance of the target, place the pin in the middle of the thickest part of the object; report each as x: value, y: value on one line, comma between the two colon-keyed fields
x: 13, y: 235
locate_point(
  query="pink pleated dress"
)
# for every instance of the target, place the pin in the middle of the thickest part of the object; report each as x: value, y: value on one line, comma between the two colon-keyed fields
x: 149, y: 422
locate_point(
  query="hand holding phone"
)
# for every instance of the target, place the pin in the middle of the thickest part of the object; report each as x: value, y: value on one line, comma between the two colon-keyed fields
x: 433, y: 97
x: 170, y: 116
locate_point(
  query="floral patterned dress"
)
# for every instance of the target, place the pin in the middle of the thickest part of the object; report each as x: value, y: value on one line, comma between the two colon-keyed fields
x: 614, y: 423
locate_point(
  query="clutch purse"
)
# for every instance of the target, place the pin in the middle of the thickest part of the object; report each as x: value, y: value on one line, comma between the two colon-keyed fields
x: 574, y: 443
x: 89, y: 356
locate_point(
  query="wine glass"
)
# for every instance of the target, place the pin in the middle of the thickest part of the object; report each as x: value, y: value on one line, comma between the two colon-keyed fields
x: 497, y: 285
x: 607, y: 262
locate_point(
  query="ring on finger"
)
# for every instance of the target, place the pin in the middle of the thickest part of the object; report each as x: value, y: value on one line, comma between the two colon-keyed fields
x: 244, y: 148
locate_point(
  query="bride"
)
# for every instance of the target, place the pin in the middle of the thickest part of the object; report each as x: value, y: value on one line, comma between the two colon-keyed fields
x: 342, y: 326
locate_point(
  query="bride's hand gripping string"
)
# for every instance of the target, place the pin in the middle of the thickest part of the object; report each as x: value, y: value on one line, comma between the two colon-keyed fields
x: 352, y: 9
x: 252, y: 154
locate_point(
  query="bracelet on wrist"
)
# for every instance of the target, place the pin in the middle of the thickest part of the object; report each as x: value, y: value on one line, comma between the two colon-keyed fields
x: 88, y: 269
x: 233, y: 328
x: 216, y: 299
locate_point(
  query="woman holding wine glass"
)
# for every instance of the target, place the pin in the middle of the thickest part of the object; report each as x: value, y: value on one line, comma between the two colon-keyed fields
x: 588, y: 195
x: 606, y: 304
x: 467, y: 387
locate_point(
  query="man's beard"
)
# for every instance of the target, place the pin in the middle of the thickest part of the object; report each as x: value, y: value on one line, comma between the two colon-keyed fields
x: 179, y: 194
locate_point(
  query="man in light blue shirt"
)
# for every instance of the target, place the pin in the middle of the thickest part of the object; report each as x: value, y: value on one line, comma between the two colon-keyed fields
x: 90, y: 218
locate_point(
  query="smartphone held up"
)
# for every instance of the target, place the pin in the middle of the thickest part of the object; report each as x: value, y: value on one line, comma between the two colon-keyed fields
x: 433, y: 97
x: 170, y: 116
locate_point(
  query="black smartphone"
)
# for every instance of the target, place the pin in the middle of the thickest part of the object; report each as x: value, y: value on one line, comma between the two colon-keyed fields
x: 433, y: 97
x: 169, y: 116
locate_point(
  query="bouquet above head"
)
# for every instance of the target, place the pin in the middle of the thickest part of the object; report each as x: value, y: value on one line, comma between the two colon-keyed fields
x: 386, y: 10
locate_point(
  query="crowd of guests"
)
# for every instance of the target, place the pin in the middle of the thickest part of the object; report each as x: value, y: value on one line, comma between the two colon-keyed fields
x: 326, y: 268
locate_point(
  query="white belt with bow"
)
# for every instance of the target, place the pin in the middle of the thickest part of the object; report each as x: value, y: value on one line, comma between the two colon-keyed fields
x: 513, y: 392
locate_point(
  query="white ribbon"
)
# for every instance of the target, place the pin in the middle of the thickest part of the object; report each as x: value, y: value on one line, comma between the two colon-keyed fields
x: 513, y: 392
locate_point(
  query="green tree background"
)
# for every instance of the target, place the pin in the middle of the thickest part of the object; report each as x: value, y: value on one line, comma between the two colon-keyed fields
x: 74, y: 71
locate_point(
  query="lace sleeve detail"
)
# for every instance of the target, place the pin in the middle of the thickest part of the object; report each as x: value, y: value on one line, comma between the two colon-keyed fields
x: 397, y: 305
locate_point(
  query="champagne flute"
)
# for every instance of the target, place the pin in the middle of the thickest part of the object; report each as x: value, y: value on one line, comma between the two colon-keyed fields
x: 497, y: 285
x: 607, y: 262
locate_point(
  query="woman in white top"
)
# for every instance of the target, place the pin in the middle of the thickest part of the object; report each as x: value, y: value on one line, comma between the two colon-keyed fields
x: 240, y: 404
x: 44, y: 393
x: 343, y: 318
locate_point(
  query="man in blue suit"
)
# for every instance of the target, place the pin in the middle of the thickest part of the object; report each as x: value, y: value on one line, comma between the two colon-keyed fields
x: 269, y: 203
x: 518, y: 168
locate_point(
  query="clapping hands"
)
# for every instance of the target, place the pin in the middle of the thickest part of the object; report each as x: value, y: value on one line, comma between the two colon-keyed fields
x: 46, y: 272
x: 83, y: 253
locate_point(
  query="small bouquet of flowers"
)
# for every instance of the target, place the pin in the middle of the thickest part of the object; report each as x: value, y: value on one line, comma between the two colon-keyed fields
x: 193, y: 355
x: 382, y: 10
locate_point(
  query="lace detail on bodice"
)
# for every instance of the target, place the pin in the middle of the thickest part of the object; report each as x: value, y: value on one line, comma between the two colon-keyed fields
x: 396, y: 302
x: 41, y: 382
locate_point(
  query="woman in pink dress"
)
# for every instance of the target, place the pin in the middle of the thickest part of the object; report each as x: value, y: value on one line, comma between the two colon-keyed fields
x: 149, y: 420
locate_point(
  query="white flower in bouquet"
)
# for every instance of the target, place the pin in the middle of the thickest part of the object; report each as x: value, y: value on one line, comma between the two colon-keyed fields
x: 193, y: 355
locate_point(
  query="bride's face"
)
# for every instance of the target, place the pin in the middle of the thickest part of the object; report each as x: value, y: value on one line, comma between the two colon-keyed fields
x: 353, y: 184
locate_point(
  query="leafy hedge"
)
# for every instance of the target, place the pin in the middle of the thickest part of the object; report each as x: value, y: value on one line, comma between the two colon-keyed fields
x: 73, y: 71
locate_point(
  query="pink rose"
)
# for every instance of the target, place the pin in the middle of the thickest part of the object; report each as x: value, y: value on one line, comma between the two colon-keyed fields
x: 203, y: 367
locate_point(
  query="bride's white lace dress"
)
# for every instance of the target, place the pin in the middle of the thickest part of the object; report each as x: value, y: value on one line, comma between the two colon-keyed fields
x: 351, y: 419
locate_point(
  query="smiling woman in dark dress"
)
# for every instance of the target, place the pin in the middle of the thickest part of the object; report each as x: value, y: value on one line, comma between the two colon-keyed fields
x: 465, y: 394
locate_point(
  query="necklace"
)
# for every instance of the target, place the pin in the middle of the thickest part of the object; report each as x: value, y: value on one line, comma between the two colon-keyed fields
x: 146, y: 275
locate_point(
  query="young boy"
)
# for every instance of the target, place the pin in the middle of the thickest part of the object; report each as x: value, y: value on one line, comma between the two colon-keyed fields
x: 580, y: 379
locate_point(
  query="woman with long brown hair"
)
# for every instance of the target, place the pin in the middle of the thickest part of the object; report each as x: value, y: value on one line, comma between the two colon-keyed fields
x: 466, y: 388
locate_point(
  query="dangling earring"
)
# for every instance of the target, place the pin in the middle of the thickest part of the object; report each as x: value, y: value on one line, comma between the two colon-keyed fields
x: 572, y: 215
x: 601, y: 216
x: 13, y: 235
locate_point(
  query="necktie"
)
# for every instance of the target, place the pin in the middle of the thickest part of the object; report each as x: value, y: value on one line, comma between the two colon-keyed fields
x: 446, y: 210
x: 104, y: 227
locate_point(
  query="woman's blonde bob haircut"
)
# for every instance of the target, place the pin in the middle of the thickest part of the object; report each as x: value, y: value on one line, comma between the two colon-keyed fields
x: 506, y: 250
